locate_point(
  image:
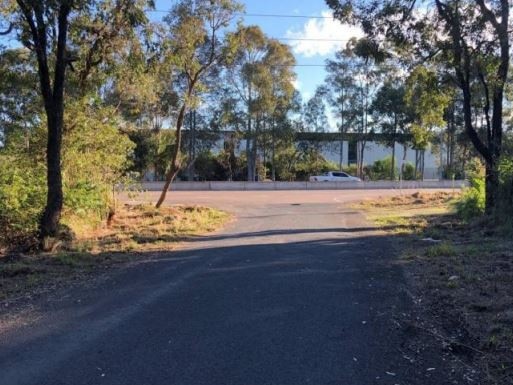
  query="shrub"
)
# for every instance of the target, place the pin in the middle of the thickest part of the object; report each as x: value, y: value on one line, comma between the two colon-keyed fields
x: 208, y: 167
x: 506, y: 185
x: 95, y: 156
x: 381, y: 169
x: 22, y: 196
x: 351, y: 169
x: 408, y: 171
x: 472, y: 201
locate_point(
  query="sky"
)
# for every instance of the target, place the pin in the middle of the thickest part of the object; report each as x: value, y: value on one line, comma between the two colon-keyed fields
x: 303, y: 23
x: 306, y: 19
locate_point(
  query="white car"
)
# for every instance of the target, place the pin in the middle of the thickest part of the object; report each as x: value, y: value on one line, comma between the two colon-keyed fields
x: 334, y: 176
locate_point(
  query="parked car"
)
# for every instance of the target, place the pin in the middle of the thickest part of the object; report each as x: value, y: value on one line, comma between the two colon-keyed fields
x: 334, y: 176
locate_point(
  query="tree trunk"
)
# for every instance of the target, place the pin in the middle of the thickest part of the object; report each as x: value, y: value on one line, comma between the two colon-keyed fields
x: 341, y: 162
x: 53, y: 98
x: 254, y: 149
x: 405, y: 149
x: 423, y: 168
x: 492, y: 187
x: 416, y: 164
x: 175, y: 161
x: 273, y: 152
x: 49, y: 225
x: 248, y: 157
x: 264, y: 150
x: 251, y: 175
x: 361, y: 153
x: 392, y: 170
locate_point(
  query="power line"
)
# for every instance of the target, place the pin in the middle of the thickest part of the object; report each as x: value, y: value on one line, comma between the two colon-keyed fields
x: 280, y: 16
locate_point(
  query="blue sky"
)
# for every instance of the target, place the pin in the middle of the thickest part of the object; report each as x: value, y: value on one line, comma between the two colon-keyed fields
x: 306, y: 52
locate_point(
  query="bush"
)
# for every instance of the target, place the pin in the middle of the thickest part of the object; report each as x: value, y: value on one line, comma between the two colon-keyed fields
x: 95, y: 156
x: 472, y: 202
x: 408, y: 171
x: 22, y: 196
x: 506, y: 185
x: 209, y: 167
x: 351, y: 169
x: 381, y: 169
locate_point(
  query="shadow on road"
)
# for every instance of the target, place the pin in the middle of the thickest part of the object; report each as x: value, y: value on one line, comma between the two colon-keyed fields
x: 331, y: 310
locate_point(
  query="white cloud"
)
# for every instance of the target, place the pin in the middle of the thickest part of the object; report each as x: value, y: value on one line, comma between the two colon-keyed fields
x: 297, y: 84
x: 322, y: 29
x: 305, y: 95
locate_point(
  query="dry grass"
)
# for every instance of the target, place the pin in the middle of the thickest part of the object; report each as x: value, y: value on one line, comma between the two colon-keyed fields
x: 133, y: 232
x: 463, y: 274
x: 145, y: 228
x: 408, y: 214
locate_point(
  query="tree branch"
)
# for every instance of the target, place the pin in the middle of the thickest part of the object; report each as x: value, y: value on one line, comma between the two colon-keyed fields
x: 488, y: 14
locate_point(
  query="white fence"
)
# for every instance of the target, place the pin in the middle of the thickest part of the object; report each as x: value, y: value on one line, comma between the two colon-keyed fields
x: 268, y: 186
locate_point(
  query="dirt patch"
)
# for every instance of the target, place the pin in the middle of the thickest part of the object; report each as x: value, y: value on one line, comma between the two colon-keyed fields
x: 461, y: 275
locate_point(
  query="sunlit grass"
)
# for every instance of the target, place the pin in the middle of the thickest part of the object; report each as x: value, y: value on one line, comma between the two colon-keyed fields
x: 143, y: 228
x: 407, y: 214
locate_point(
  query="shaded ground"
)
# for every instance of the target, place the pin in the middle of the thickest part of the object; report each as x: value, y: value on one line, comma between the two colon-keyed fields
x: 461, y: 274
x: 299, y: 290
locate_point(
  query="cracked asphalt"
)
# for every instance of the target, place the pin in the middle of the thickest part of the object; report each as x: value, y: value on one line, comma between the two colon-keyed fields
x: 298, y: 289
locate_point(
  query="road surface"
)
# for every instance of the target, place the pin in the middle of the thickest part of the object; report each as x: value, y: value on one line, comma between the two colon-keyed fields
x: 299, y: 289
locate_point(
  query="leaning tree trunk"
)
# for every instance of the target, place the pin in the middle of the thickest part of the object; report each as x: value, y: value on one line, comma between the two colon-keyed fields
x: 174, y: 167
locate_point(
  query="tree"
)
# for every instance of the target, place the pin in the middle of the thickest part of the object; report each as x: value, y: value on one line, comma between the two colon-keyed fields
x: 243, y: 74
x: 427, y: 101
x: 390, y: 110
x: 338, y: 84
x: 314, y: 113
x: 55, y: 32
x: 20, y: 105
x: 194, y: 29
x: 261, y: 75
x: 279, y: 63
x: 471, y: 38
x: 39, y: 18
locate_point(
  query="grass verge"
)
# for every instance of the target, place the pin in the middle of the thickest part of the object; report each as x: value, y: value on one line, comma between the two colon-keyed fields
x: 132, y: 233
x: 461, y: 272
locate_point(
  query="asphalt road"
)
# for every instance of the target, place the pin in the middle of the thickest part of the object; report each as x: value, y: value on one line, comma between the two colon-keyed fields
x: 298, y: 290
